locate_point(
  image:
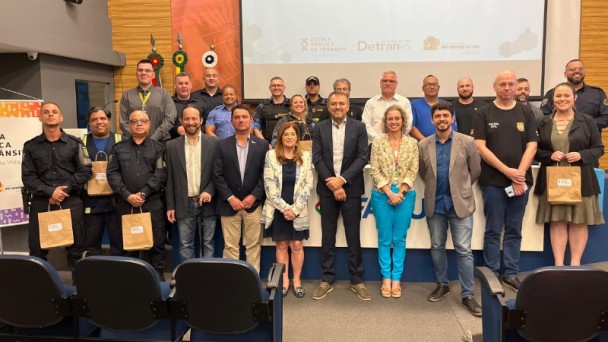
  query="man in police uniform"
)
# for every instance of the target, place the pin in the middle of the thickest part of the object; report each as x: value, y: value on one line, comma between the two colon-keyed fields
x: 54, y: 169
x: 137, y: 174
x: 316, y: 104
x: 100, y: 211
x: 590, y: 100
x: 271, y: 110
x: 211, y: 95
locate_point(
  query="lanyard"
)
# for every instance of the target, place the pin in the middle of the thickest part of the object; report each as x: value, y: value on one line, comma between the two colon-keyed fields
x: 144, y: 100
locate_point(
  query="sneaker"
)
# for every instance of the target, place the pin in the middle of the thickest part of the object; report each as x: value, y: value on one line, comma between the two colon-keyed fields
x: 322, y: 290
x: 471, y: 304
x: 361, y: 291
x: 512, y: 282
x: 439, y: 293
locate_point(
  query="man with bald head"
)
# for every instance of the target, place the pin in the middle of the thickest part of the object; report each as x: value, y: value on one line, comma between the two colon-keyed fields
x: 466, y: 106
x: 137, y: 174
x: 211, y: 95
x: 505, y: 135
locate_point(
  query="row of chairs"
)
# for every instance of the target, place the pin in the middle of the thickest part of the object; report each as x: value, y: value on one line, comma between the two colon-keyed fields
x: 122, y: 299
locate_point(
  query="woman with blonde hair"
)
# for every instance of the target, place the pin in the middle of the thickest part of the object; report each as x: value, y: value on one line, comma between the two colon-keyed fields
x: 288, y: 181
x: 394, y: 166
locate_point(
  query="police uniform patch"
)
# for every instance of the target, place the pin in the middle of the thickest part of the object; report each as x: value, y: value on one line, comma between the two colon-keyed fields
x: 606, y: 101
x: 472, y: 131
x: 545, y: 100
x: 520, y: 126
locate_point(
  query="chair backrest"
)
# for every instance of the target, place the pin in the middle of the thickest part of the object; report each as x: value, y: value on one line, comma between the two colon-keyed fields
x: 117, y: 292
x: 31, y: 292
x: 219, y: 294
x: 563, y: 303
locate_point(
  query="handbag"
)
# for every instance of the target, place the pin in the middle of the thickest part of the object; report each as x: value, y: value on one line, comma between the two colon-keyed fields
x: 137, y: 231
x: 564, y: 184
x: 98, y: 185
x: 55, y: 227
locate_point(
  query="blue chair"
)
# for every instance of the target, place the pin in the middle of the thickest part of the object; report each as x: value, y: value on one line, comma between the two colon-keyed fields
x: 552, y: 304
x: 125, y: 298
x: 34, y: 303
x: 224, y: 300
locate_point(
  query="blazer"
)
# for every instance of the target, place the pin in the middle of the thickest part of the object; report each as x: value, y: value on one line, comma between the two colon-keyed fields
x: 584, y: 138
x: 356, y: 156
x: 465, y: 167
x: 273, y: 184
x: 227, y: 175
x: 382, y: 162
x: 177, y: 179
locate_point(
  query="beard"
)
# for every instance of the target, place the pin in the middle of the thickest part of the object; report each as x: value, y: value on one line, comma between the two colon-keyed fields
x: 465, y: 96
x: 521, y: 98
x: 573, y: 81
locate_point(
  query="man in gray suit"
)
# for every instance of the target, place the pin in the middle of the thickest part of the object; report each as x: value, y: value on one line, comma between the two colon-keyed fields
x: 449, y: 165
x: 339, y: 153
x: 190, y: 188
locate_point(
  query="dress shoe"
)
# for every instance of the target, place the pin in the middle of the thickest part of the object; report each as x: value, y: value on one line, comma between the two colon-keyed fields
x: 512, y: 282
x: 439, y: 293
x: 471, y: 304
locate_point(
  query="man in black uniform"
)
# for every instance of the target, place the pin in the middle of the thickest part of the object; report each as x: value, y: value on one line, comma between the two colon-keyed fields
x: 316, y: 104
x: 211, y: 96
x: 271, y: 110
x: 137, y: 174
x: 100, y: 211
x: 182, y: 98
x: 590, y: 100
x: 466, y: 106
x: 55, y: 167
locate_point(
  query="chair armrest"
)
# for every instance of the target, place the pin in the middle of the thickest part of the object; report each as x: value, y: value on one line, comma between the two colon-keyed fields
x: 275, y: 275
x: 489, y: 280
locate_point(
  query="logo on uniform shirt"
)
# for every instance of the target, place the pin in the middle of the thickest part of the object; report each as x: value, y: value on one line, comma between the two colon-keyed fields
x: 544, y: 103
x: 606, y: 101
x: 493, y: 124
x: 520, y: 126
x: 472, y: 131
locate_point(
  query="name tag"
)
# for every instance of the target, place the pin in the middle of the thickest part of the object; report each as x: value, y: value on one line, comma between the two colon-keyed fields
x: 564, y: 182
x: 55, y: 227
x: 137, y: 230
x: 100, y: 176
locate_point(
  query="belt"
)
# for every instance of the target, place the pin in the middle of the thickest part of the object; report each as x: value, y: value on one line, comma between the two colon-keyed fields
x: 194, y: 198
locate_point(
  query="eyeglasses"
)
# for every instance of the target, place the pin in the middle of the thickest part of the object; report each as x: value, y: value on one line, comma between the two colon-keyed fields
x: 505, y: 85
x: 388, y: 81
x: 138, y: 122
x: 573, y: 69
x: 431, y: 85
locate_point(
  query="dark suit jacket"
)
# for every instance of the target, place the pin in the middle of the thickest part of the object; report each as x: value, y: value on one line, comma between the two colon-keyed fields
x: 356, y: 156
x: 177, y: 181
x: 227, y: 175
x: 465, y: 167
x: 584, y: 138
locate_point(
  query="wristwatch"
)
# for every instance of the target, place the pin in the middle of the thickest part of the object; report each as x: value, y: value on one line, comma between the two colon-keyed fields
x: 142, y: 195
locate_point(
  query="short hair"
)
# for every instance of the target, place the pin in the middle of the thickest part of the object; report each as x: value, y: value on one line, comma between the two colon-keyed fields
x: 342, y: 80
x: 279, y: 149
x: 442, y: 105
x: 229, y: 86
x: 239, y: 106
x: 191, y: 105
x: 276, y: 78
x: 50, y: 102
x: 336, y: 93
x: 182, y: 74
x: 428, y: 76
x: 391, y: 72
x: 522, y: 79
x: 145, y: 61
x: 405, y: 123
x: 572, y: 60
x: 97, y: 109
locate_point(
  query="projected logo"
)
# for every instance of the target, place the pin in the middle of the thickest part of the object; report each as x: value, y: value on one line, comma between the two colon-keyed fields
x: 383, y: 45
x: 526, y: 41
x: 320, y: 45
x: 431, y: 43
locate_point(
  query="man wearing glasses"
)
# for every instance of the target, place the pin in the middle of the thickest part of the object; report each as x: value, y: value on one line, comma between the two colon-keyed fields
x: 137, y: 174
x: 155, y: 101
x: 377, y: 105
x: 590, y: 100
x: 421, y: 109
x: 271, y: 110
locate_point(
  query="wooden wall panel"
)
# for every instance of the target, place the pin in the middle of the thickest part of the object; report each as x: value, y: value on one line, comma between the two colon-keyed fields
x: 594, y: 51
x: 132, y: 23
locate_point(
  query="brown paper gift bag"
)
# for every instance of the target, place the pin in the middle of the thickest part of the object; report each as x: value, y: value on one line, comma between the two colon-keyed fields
x: 55, y: 228
x: 564, y: 185
x: 137, y: 231
x: 98, y: 185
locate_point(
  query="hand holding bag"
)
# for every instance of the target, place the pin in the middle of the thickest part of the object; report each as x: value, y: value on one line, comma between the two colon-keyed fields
x: 564, y: 185
x: 137, y: 231
x: 55, y: 227
x: 98, y: 185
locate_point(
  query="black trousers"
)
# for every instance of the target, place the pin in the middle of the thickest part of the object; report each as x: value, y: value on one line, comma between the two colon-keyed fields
x: 351, y: 216
x: 40, y: 204
x: 153, y: 205
x: 95, y: 225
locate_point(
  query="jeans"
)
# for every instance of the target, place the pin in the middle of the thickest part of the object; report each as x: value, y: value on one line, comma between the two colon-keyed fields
x: 501, y: 210
x: 462, y: 229
x: 392, y: 222
x: 188, y: 228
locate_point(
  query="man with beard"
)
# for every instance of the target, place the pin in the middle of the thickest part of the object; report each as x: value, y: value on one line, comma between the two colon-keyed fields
x: 590, y: 100
x: 466, y: 106
x: 522, y: 92
x: 190, y: 188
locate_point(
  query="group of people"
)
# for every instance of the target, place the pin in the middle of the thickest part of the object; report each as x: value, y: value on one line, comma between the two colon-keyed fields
x: 257, y: 177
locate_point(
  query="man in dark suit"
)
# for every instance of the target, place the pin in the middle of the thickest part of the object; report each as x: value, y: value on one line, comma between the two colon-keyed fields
x: 237, y: 172
x: 449, y: 165
x: 190, y: 188
x: 340, y: 152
